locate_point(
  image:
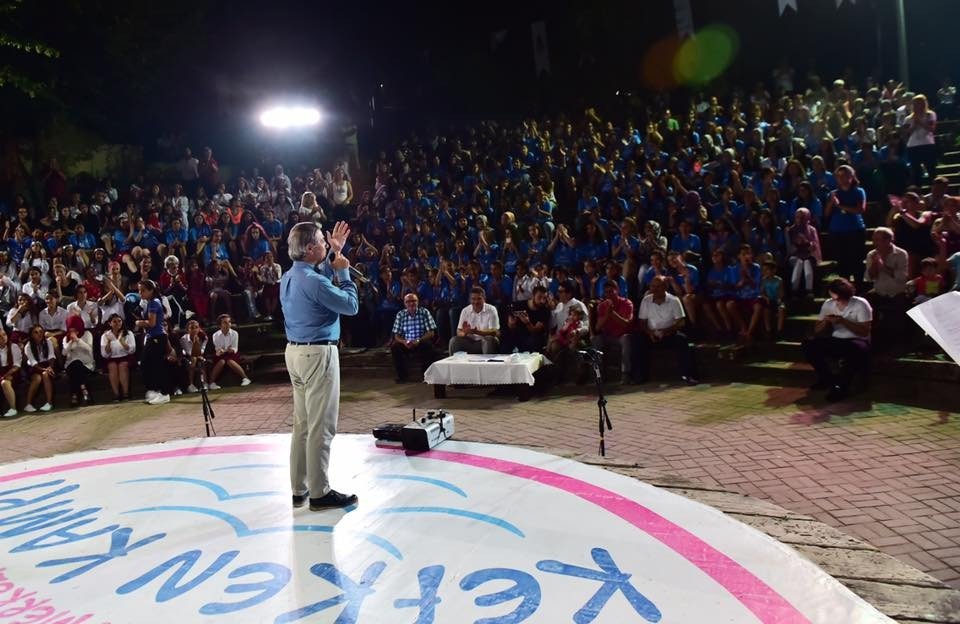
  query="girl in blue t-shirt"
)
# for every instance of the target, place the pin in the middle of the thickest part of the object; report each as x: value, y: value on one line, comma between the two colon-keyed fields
x: 255, y: 242
x: 844, y: 215
x: 806, y: 198
x: 716, y: 290
x: 155, y: 346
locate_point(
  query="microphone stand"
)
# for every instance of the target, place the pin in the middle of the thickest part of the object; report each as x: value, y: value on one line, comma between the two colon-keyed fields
x: 596, y: 362
x: 208, y: 414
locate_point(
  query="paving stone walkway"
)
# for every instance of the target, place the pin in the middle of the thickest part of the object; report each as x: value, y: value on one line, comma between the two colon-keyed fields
x: 882, y: 471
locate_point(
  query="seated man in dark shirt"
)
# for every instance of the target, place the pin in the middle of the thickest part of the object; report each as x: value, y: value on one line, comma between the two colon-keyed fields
x: 527, y: 327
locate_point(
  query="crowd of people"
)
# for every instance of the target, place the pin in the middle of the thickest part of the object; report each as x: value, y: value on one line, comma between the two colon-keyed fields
x: 548, y: 235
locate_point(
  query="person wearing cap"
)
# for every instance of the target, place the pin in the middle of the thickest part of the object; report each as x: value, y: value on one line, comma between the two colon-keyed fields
x: 313, y: 298
x: 78, y: 359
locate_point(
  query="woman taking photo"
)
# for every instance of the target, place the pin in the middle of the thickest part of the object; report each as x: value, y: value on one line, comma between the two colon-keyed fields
x: 118, y: 348
x: 41, y: 366
x: 78, y: 359
x: 154, y: 356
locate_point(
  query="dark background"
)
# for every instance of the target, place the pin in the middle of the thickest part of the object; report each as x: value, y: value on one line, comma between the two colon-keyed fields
x: 196, y: 72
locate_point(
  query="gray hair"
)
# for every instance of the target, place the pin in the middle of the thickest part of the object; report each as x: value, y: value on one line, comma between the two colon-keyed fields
x: 301, y: 235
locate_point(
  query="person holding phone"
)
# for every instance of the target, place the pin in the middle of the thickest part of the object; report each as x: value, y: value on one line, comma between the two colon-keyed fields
x: 842, y: 332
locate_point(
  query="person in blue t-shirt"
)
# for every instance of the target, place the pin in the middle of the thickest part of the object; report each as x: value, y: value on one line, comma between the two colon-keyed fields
x: 215, y: 248
x: 533, y: 249
x: 499, y: 287
x: 511, y: 254
x: 717, y: 292
x: 768, y: 237
x: 806, y: 198
x: 685, y: 240
x: 81, y: 239
x: 683, y: 280
x: 612, y: 274
x: 728, y: 208
x: 199, y: 233
x: 390, y: 302
x: 746, y: 309
x: 594, y: 246
x: 563, y: 248
x: 255, y: 243
x: 155, y: 346
x: 587, y: 202
x: 848, y: 232
x: 658, y: 267
x: 174, y: 240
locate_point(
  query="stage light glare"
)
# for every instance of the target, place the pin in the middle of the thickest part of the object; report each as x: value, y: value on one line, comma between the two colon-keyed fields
x: 283, y: 117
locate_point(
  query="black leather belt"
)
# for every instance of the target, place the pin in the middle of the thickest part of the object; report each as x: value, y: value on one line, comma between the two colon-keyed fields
x: 313, y: 344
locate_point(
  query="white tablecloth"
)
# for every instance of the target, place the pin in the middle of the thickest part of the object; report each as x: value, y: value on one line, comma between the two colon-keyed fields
x: 485, y: 370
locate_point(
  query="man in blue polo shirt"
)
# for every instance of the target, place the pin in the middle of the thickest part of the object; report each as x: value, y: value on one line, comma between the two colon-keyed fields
x: 413, y: 333
x: 312, y: 304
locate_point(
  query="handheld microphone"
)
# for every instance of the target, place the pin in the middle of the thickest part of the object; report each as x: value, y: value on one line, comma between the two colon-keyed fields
x: 358, y: 275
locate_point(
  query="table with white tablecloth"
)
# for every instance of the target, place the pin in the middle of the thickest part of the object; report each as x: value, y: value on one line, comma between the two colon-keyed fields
x: 462, y: 369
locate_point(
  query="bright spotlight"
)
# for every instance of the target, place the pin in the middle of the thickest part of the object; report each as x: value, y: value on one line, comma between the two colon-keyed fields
x: 283, y: 117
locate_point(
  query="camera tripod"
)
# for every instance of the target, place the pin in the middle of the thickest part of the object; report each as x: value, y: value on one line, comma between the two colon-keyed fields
x: 208, y: 414
x: 596, y: 362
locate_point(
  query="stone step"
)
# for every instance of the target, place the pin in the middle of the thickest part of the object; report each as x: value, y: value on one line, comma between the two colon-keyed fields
x: 799, y: 326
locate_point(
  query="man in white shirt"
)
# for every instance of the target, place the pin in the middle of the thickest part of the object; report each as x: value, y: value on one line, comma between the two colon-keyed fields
x: 886, y: 266
x: 842, y: 333
x: 661, y: 320
x: 478, y: 330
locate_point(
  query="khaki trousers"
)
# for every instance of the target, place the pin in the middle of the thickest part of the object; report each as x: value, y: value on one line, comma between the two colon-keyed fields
x: 315, y: 375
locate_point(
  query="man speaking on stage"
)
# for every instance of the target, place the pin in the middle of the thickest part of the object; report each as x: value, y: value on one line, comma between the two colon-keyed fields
x: 312, y: 303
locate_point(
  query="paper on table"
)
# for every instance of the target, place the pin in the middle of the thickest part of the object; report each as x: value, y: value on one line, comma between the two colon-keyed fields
x: 940, y: 318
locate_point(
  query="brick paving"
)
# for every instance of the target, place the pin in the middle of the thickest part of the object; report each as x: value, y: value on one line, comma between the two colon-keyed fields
x: 882, y: 471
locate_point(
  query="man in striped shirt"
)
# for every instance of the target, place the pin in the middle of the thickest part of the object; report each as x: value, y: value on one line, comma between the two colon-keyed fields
x: 413, y: 333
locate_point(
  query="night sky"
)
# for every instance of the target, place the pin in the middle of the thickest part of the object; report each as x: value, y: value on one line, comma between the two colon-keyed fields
x: 205, y: 66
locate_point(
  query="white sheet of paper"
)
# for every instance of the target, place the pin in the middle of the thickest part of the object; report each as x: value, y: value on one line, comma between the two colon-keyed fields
x: 940, y: 318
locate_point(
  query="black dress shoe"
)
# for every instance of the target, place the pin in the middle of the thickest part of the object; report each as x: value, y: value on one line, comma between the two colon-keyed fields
x: 690, y: 381
x: 299, y: 500
x: 332, y: 500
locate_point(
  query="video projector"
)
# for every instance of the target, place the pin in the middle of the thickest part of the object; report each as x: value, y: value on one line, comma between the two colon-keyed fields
x: 422, y: 434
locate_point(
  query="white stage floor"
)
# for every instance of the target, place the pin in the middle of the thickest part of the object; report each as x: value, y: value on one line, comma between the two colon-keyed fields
x: 203, y: 531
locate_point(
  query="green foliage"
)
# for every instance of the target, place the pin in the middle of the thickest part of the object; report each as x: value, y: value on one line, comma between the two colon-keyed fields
x: 19, y: 51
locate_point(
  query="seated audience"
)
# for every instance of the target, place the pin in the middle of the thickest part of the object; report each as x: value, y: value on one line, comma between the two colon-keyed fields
x: 478, y: 329
x: 10, y: 358
x: 226, y: 353
x: 118, y: 348
x: 414, y: 331
x: 78, y: 359
x: 661, y: 322
x: 527, y: 326
x: 41, y: 359
x: 842, y: 333
x: 613, y: 326
x: 193, y: 346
